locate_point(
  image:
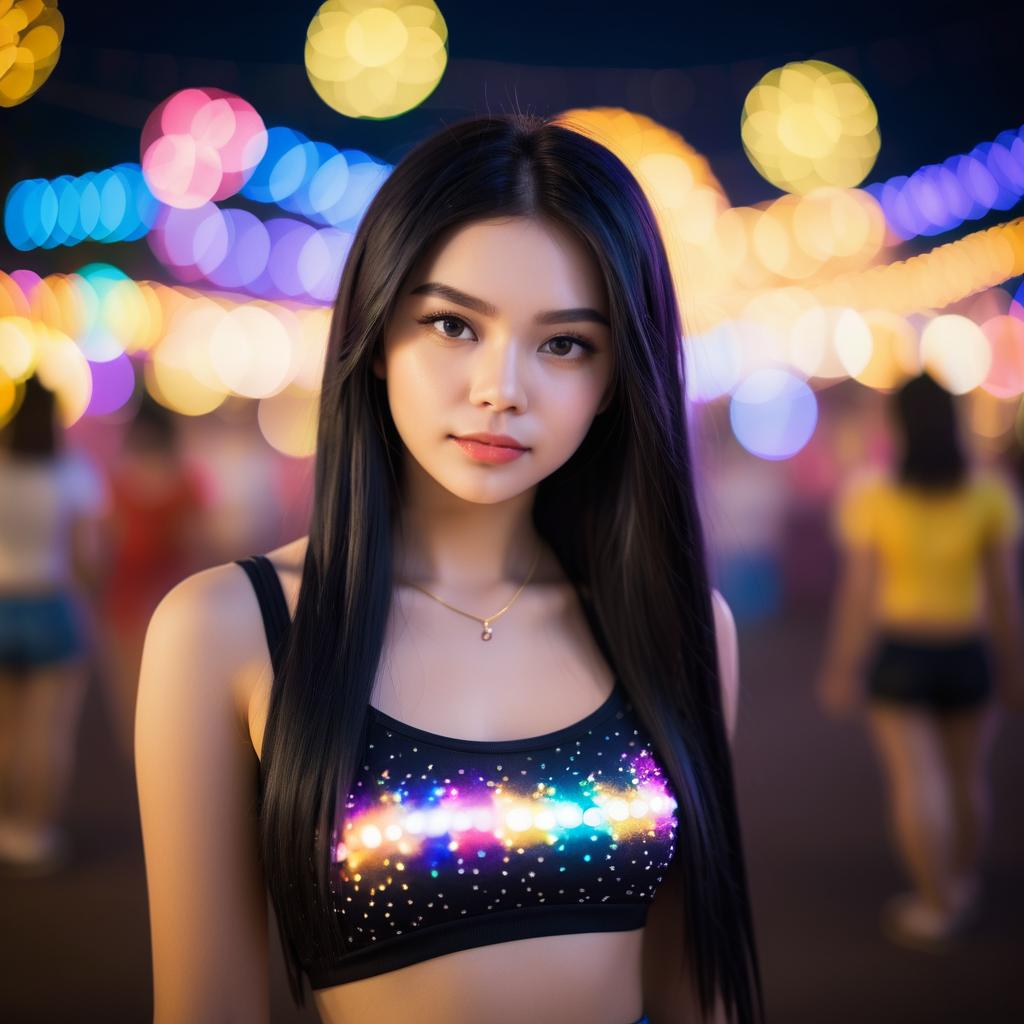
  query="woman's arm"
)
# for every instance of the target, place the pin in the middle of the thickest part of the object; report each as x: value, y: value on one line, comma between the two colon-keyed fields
x: 670, y: 990
x: 728, y: 660
x: 1000, y: 572
x: 850, y: 629
x: 197, y: 785
x: 670, y: 993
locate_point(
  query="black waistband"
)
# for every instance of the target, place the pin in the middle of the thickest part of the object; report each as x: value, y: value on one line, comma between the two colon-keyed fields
x: 483, y: 930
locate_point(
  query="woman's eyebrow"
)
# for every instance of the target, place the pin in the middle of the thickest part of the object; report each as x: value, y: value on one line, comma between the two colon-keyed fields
x: 555, y: 316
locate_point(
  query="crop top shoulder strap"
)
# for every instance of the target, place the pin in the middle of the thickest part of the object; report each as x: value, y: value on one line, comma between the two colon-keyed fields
x: 273, y: 606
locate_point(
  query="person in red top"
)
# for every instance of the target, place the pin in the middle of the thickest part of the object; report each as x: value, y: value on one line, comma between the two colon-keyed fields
x: 156, y: 538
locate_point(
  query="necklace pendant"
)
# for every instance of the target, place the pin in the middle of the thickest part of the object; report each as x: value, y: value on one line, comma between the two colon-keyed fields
x: 487, y: 633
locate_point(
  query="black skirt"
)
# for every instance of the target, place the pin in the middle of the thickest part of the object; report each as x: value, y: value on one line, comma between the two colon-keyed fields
x: 953, y: 676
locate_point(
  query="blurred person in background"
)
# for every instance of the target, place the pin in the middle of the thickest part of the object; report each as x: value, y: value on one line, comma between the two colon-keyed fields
x: 51, y: 504
x: 927, y: 613
x: 248, y: 490
x: 156, y: 538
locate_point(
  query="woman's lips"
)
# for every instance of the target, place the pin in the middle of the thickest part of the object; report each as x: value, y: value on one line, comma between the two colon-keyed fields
x: 488, y: 452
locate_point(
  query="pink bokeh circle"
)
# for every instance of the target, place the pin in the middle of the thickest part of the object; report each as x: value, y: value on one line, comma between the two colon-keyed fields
x: 201, y: 145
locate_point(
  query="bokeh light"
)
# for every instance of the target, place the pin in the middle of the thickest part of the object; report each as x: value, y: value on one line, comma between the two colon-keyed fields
x: 1017, y: 303
x: 376, y: 59
x: 180, y: 374
x: 116, y: 315
x: 895, y: 351
x: 779, y: 300
x: 112, y: 205
x: 53, y: 357
x: 192, y: 351
x: 288, y: 420
x: 281, y: 258
x: 773, y: 413
x: 830, y: 342
x: 809, y: 124
x: 956, y: 352
x: 17, y: 347
x: 200, y: 145
x: 940, y: 197
x: 31, y: 32
x: 714, y: 363
x: 113, y: 384
x: 1005, y: 378
x: 250, y: 349
x: 687, y: 199
x: 989, y: 417
x: 934, y: 279
x: 10, y: 396
x: 314, y: 179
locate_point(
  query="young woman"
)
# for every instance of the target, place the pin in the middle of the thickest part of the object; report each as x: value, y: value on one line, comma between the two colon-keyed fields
x: 929, y: 595
x: 481, y: 759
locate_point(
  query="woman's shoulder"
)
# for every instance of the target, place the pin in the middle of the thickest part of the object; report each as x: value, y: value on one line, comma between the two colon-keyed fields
x: 1000, y: 500
x: 993, y: 480
x: 222, y: 594
x: 212, y: 619
x: 205, y: 656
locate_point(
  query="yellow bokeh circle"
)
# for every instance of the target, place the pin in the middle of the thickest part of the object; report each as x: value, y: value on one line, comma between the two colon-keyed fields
x: 31, y: 32
x: 686, y: 198
x: 376, y: 59
x: 810, y: 124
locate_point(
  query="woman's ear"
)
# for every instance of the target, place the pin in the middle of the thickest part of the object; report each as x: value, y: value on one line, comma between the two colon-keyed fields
x: 379, y: 369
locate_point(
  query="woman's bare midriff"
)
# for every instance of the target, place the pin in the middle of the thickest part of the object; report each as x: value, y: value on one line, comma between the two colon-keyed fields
x: 592, y: 977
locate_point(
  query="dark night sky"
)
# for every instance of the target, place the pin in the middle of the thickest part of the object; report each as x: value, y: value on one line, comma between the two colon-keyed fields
x: 944, y: 78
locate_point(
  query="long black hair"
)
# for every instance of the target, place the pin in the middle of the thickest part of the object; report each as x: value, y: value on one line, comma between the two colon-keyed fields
x: 620, y: 515
x: 33, y: 434
x: 932, y: 456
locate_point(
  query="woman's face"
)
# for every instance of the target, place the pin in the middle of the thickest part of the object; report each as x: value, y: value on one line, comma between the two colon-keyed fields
x: 482, y: 340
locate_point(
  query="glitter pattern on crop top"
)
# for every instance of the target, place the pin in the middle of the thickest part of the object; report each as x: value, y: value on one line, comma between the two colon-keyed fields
x: 449, y: 843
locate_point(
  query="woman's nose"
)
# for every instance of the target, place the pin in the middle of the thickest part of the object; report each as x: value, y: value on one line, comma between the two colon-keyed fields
x: 498, y: 375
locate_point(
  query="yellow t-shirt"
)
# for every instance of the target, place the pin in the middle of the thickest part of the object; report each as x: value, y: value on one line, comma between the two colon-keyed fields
x: 929, y: 546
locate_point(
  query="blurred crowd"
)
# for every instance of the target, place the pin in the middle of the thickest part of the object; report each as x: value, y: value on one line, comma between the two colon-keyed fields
x: 89, y: 544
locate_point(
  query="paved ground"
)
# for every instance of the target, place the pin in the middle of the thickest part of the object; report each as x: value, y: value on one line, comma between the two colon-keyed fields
x: 816, y: 830
x: 76, y: 948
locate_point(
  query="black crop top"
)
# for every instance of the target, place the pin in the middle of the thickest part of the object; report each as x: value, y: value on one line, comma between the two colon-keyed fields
x: 452, y: 843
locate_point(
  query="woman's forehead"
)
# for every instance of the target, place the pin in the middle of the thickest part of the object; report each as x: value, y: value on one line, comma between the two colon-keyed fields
x: 520, y: 260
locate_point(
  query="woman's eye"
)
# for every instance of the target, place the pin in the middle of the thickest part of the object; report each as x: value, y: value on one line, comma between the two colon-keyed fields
x: 451, y: 327
x: 447, y: 322
x: 568, y: 342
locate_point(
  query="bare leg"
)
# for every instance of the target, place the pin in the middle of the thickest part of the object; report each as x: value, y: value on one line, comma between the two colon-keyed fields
x: 920, y: 803
x: 11, y: 691
x: 967, y: 738
x: 42, y: 755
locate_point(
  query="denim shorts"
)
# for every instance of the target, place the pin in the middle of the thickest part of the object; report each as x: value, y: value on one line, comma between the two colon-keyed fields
x: 39, y: 629
x: 954, y: 676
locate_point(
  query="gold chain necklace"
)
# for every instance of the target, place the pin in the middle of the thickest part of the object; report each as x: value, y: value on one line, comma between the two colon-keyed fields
x: 488, y: 632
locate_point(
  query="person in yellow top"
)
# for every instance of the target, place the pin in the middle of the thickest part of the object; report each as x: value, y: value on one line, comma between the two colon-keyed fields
x: 927, y: 615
